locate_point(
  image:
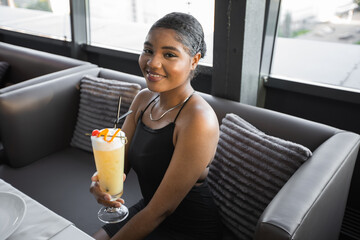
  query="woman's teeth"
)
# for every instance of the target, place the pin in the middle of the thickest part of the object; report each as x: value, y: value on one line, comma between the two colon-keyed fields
x: 154, y: 75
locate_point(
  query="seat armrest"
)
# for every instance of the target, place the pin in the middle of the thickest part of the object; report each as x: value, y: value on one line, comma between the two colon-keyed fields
x: 311, y: 204
x: 39, y: 119
x: 47, y: 77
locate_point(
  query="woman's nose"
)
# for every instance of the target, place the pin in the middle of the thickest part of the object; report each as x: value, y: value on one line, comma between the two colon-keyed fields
x: 154, y: 61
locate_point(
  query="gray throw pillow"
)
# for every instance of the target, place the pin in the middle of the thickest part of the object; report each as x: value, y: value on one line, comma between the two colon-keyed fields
x: 98, y: 106
x: 248, y: 170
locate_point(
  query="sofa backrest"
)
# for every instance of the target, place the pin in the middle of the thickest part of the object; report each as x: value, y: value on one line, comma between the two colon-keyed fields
x: 304, y: 132
x: 28, y: 63
x: 307, y: 133
x: 48, y: 109
x: 121, y: 76
x: 53, y: 99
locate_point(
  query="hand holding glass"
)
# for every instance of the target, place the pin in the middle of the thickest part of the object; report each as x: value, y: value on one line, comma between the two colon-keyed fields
x: 109, y: 152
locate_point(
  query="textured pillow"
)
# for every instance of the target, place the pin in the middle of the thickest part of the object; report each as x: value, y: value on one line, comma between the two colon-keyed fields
x: 99, y: 99
x: 4, y: 66
x: 248, y: 170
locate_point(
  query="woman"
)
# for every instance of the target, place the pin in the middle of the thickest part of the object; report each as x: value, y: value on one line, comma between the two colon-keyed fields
x: 173, y: 134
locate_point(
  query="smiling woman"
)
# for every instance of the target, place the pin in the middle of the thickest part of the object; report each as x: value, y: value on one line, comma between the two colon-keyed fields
x: 173, y: 137
x: 166, y: 59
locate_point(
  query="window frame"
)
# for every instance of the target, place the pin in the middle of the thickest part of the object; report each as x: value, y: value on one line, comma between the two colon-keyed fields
x: 228, y: 83
x: 295, y: 85
x: 240, y: 41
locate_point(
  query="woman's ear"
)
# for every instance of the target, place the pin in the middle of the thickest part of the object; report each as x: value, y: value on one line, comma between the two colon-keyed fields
x: 195, y: 60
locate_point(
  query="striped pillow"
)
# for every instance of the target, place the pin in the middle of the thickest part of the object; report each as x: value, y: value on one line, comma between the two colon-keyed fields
x: 248, y: 170
x: 99, y: 100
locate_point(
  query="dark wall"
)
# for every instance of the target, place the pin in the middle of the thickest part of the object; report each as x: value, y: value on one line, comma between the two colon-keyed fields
x: 38, y: 43
x: 202, y: 81
x: 106, y: 58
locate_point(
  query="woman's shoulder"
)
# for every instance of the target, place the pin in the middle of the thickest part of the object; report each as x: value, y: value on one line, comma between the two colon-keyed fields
x: 141, y: 100
x: 143, y: 97
x: 197, y: 120
x: 199, y: 112
x: 144, y: 93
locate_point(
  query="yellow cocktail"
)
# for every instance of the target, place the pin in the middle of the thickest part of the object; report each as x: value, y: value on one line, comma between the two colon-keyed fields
x: 110, y: 168
x: 109, y: 152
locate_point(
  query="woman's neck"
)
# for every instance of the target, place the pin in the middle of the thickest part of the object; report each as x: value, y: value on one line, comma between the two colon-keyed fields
x: 171, y: 98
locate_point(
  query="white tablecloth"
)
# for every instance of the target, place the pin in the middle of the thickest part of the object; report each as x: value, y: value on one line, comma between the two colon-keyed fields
x: 39, y: 222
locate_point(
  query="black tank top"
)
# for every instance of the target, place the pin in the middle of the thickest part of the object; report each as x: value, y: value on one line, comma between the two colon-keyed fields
x: 150, y: 153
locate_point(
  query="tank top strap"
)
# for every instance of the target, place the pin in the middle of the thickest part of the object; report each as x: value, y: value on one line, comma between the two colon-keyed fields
x: 142, y: 112
x: 150, y: 103
x: 182, y: 106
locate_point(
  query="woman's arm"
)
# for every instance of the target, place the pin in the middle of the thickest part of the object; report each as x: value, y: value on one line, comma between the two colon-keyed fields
x: 196, y: 138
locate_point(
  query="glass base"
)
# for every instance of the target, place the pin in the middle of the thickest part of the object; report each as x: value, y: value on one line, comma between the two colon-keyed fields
x: 113, y: 215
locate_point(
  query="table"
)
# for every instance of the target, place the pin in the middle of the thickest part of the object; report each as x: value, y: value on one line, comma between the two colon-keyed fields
x: 41, y: 223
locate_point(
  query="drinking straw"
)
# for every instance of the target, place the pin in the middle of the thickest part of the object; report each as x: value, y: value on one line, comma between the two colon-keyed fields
x: 118, y: 113
x: 123, y: 116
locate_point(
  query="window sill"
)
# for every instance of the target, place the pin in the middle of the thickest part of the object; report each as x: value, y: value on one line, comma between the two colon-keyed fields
x: 313, y: 88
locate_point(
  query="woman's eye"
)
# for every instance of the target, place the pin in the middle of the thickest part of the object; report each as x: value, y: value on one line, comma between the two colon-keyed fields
x: 170, y: 55
x: 147, y: 51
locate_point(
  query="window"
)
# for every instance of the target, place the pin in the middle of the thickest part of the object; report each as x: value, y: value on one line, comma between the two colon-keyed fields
x: 47, y: 18
x: 124, y: 24
x: 319, y: 41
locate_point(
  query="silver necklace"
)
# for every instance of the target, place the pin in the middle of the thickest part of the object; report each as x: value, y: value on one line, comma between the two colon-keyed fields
x: 170, y: 109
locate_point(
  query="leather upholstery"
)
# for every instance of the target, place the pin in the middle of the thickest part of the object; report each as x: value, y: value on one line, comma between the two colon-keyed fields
x: 37, y: 122
x: 37, y: 125
x: 28, y: 67
x: 27, y: 63
x: 312, y: 203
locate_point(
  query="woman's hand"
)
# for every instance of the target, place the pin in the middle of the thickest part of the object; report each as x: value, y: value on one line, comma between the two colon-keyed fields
x: 100, y: 196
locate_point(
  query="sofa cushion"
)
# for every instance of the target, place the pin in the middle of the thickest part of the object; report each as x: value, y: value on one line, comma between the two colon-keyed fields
x: 4, y: 66
x: 99, y: 99
x: 248, y: 170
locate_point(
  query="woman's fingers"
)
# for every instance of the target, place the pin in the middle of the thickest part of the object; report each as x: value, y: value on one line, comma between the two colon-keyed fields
x: 120, y: 200
x: 95, y: 177
x: 101, y: 197
x: 106, y: 202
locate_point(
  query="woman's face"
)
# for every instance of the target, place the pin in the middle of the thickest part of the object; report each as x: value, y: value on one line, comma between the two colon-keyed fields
x: 164, y: 62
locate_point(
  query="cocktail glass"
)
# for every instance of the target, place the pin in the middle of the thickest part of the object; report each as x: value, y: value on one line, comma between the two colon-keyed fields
x: 109, y: 151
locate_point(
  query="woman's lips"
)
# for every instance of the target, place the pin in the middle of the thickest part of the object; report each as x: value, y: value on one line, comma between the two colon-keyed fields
x: 154, y: 77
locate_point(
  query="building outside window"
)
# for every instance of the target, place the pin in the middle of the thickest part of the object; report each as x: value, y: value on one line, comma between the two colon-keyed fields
x: 113, y: 24
x: 124, y: 24
x: 319, y: 42
x: 47, y: 18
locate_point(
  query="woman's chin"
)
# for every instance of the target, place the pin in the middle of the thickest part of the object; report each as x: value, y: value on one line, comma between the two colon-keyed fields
x: 152, y: 87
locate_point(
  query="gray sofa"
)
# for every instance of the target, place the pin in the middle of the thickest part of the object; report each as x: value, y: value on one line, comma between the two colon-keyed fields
x: 37, y: 123
x: 28, y: 66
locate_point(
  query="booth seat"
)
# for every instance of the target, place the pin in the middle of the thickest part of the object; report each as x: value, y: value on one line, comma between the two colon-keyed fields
x: 38, y: 121
x: 26, y: 64
x: 21, y: 67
